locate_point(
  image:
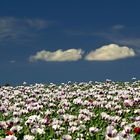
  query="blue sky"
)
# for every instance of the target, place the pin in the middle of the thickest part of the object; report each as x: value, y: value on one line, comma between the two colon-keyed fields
x: 59, y: 41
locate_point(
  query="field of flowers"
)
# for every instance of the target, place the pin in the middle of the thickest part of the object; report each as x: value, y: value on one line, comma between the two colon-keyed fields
x: 73, y: 111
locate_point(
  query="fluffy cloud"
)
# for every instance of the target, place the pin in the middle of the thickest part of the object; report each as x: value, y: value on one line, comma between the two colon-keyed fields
x: 59, y: 55
x: 110, y: 52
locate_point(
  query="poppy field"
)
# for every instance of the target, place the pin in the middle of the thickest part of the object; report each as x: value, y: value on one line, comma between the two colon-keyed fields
x: 72, y: 111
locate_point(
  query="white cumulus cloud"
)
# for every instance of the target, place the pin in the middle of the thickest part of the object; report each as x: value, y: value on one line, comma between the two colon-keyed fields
x: 110, y: 52
x: 59, y: 55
